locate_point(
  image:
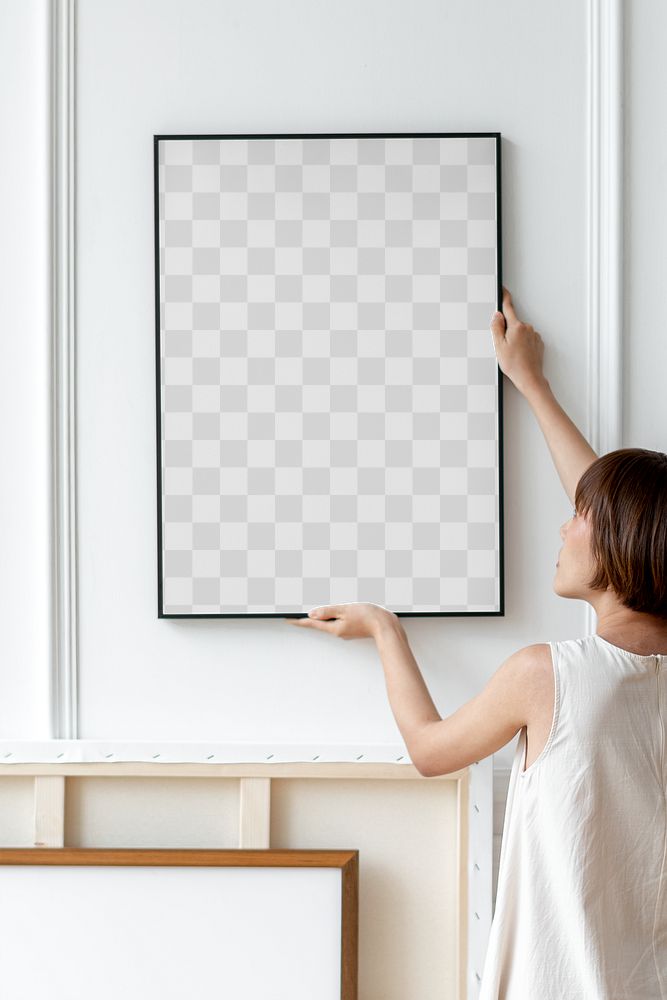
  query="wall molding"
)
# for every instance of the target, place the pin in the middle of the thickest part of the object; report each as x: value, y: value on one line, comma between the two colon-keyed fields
x: 62, y: 228
x: 604, y: 195
x: 605, y: 223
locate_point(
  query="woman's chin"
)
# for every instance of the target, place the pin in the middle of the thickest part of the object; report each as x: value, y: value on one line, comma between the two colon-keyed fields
x: 563, y: 591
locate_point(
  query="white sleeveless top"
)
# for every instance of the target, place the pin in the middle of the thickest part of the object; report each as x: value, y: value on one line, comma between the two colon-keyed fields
x: 581, y: 904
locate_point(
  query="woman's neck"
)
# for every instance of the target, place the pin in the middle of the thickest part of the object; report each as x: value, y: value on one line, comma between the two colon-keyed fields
x: 635, y: 631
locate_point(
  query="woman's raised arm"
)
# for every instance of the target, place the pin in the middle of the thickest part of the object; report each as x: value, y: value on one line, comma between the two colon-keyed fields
x: 519, y: 352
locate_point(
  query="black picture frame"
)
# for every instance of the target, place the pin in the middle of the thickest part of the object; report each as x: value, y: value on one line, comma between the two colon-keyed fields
x: 157, y: 139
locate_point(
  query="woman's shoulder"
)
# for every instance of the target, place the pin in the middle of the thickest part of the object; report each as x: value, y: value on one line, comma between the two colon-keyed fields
x: 538, y: 654
x: 543, y: 659
x: 537, y: 663
x: 540, y: 661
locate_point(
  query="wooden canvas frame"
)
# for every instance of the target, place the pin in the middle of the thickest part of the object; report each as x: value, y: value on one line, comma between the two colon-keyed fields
x: 50, y: 766
x: 346, y: 861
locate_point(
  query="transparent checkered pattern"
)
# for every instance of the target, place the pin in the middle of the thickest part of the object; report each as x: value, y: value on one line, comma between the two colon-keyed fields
x: 329, y: 407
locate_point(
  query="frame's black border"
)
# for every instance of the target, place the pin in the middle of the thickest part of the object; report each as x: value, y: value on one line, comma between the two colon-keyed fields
x: 329, y: 135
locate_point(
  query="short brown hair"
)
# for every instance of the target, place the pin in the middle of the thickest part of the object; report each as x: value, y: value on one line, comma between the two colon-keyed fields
x: 625, y: 492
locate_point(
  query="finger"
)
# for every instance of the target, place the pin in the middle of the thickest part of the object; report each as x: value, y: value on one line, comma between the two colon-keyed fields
x: 325, y: 612
x: 498, y: 330
x: 498, y: 324
x: 313, y: 623
x: 508, y: 305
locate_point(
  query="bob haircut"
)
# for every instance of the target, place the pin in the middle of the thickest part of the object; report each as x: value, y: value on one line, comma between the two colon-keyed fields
x: 625, y: 492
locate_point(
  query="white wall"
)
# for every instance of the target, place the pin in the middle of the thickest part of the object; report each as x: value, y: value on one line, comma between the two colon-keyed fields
x: 24, y: 372
x: 146, y: 67
x: 169, y: 67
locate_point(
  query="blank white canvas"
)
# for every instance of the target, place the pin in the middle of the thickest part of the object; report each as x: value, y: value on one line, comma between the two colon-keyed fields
x: 167, y: 933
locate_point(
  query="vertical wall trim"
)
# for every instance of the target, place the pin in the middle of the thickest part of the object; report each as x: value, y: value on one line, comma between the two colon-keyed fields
x: 605, y: 228
x: 605, y: 222
x: 63, y: 668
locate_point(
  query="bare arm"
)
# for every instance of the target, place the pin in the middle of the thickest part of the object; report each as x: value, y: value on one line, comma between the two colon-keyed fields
x: 409, y: 697
x: 569, y: 449
x: 478, y: 728
x: 519, y: 352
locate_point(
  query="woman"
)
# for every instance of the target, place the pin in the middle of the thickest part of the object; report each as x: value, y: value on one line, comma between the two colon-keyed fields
x: 581, y: 905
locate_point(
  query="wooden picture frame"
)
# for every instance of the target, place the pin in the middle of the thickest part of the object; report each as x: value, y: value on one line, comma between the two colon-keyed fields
x: 347, y: 862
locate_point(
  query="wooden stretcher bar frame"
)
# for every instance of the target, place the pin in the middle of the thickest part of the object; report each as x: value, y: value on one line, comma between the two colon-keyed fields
x: 473, y: 899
